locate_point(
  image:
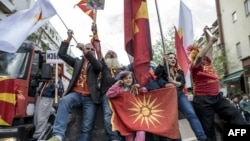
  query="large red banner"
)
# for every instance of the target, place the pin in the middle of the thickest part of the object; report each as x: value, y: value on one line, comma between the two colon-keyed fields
x: 154, y: 111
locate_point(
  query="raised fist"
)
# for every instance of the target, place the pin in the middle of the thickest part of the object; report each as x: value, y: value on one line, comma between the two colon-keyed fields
x: 70, y: 33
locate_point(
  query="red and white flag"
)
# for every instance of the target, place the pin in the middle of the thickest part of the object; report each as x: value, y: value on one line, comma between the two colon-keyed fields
x: 184, y: 38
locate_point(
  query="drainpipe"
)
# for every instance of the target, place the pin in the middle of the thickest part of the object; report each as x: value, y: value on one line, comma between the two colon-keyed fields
x: 221, y: 34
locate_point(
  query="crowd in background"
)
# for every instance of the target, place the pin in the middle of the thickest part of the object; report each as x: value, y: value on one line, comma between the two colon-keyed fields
x: 242, y: 105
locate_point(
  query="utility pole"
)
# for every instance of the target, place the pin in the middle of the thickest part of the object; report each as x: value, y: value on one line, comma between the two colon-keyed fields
x: 221, y: 35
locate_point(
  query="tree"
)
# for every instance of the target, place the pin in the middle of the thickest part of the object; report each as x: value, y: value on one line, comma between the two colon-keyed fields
x: 36, y: 37
x: 218, y: 61
x: 168, y: 43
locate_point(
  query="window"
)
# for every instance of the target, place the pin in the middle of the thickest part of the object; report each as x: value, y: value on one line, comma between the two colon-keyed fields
x: 15, y: 65
x: 46, y: 26
x: 234, y: 16
x: 247, y: 7
x: 238, y: 49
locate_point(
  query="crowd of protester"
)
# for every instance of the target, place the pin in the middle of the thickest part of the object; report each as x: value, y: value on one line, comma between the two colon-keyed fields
x: 96, y: 80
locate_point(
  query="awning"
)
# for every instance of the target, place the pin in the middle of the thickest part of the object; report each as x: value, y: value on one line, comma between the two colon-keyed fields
x: 233, y: 76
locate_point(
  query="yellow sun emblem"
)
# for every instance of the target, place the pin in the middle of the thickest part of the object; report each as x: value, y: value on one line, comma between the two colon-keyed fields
x: 146, y: 111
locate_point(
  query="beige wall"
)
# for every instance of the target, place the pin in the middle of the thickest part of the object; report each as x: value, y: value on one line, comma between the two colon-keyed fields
x: 23, y: 4
x: 235, y: 32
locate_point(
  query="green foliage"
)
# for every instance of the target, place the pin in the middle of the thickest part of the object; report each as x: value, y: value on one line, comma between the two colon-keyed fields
x: 36, y: 38
x: 169, y: 45
x: 69, y: 69
x: 169, y: 41
x: 33, y: 37
x: 218, y: 60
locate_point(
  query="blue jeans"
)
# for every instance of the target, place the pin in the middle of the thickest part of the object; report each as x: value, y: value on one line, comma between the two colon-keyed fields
x: 107, y: 113
x: 187, y: 109
x: 65, y: 105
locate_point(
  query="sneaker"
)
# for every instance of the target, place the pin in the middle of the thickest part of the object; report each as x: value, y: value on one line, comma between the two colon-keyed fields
x: 54, y: 138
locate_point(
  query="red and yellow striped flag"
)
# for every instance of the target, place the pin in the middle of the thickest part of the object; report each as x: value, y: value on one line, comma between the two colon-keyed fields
x: 83, y: 6
x: 7, y: 101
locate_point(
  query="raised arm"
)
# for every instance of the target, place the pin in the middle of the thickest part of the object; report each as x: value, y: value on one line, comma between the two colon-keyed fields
x: 96, y: 42
x: 206, y: 51
x: 62, y: 53
x: 114, y: 90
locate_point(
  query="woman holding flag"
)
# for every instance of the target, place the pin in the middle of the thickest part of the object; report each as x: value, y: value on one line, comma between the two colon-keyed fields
x: 176, y: 78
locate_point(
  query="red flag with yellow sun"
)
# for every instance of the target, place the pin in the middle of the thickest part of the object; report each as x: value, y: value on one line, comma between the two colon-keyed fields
x: 154, y: 111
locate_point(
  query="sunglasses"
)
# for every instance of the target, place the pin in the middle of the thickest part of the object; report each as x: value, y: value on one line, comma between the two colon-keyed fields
x: 92, y: 49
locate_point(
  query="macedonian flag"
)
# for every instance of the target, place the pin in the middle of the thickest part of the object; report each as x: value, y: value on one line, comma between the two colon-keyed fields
x: 7, y: 101
x: 83, y: 6
x: 137, y: 38
x: 154, y: 111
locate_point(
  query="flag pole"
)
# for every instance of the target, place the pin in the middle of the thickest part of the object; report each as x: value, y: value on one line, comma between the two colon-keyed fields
x: 95, y: 15
x: 65, y: 26
x: 56, y: 82
x: 162, y: 38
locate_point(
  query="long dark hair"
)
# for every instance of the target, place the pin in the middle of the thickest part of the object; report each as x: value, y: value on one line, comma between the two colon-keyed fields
x: 176, y: 65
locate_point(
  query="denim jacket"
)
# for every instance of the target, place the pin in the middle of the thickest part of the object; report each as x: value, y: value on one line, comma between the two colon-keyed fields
x: 49, y: 90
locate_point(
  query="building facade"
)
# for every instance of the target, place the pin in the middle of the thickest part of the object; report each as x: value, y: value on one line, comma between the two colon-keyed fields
x: 234, y: 20
x: 46, y: 37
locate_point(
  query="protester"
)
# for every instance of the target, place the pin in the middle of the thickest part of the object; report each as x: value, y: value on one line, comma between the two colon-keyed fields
x: 208, y: 100
x: 110, y: 68
x: 44, y: 102
x: 83, y: 90
x: 126, y: 83
x: 177, y: 79
x: 235, y: 102
x: 245, y: 106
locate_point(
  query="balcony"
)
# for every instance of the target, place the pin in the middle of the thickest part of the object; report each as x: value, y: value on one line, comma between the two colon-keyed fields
x: 7, y: 7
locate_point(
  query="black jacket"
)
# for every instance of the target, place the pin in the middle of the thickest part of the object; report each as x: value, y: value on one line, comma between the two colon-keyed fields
x: 162, y: 76
x: 93, y: 69
x: 107, y: 80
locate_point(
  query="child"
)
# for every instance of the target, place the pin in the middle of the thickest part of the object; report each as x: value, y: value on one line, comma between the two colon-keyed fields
x: 45, y: 101
x: 126, y: 83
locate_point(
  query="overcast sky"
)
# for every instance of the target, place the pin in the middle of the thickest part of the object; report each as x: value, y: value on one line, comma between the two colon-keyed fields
x: 110, y: 21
